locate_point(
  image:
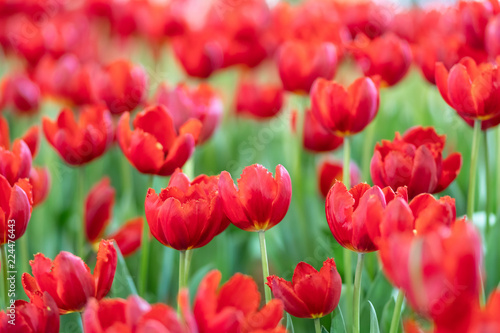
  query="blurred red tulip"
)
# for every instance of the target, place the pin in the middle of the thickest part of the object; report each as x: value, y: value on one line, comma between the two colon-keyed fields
x: 68, y: 279
x: 123, y: 87
x: 259, y: 100
x: 311, y: 293
x: 131, y: 315
x: 15, y: 209
x: 184, y: 103
x: 387, y: 56
x: 474, y: 16
x: 472, y: 90
x: 186, y: 215
x: 345, y: 111
x: 80, y: 142
x: 155, y: 146
x: 331, y: 171
x: 487, y: 319
x: 316, y: 137
x: 492, y: 37
x: 366, y: 17
x: 40, y: 181
x: 301, y: 62
x: 261, y: 201
x: 20, y: 93
x: 39, y: 316
x: 23, y: 37
x: 129, y: 236
x: 98, y: 209
x: 349, y: 213
x: 234, y: 307
x: 32, y: 139
x: 415, y: 160
x: 16, y: 163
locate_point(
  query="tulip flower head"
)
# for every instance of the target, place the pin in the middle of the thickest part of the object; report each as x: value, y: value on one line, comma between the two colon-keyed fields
x: 80, y: 142
x: 186, y: 215
x: 311, y: 293
x: 68, y: 279
x: 345, y: 111
x: 262, y: 101
x: 415, y: 160
x: 316, y: 137
x: 98, y: 209
x: 15, y: 209
x: 20, y: 93
x: 260, y: 201
x: 155, y: 146
x: 331, y: 171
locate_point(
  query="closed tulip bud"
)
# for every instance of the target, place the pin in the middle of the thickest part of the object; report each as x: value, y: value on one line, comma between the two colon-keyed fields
x: 331, y: 171
x: 98, y: 209
x: 260, y: 201
x: 262, y: 101
x: 311, y: 293
x: 15, y: 209
x: 68, y: 279
x: 345, y: 111
x: 415, y: 160
x: 155, y: 146
x: 300, y: 63
x: 20, y: 93
x: 80, y: 142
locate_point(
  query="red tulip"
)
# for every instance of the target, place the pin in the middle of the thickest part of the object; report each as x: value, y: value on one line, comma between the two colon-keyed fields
x: 415, y: 160
x: 186, y: 215
x: 387, y: 56
x: 316, y: 137
x: 40, y: 181
x: 234, y: 307
x: 32, y: 139
x: 131, y: 315
x: 311, y: 293
x: 301, y: 62
x: 259, y: 100
x: 16, y: 163
x: 129, y: 236
x: 4, y: 133
x: 124, y: 86
x: 488, y: 320
x: 68, y: 279
x: 184, y: 103
x: 345, y: 111
x: 39, y: 316
x: 370, y: 18
x: 15, y: 209
x: 474, y: 16
x: 349, y: 213
x: 331, y: 171
x: 80, y: 142
x: 492, y: 37
x: 260, y: 202
x: 98, y: 209
x: 154, y: 146
x: 20, y: 93
x: 472, y: 90
x: 439, y: 271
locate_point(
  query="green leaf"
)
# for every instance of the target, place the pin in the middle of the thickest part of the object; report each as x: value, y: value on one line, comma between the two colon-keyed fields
x: 338, y: 324
x: 373, y: 319
x: 324, y: 330
x: 289, y: 324
x: 492, y: 258
x: 123, y: 285
x: 71, y: 323
x: 385, y: 321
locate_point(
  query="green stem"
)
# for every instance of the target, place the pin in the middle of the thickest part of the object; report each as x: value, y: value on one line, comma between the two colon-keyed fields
x: 80, y: 234
x: 317, y: 325
x: 182, y: 269
x: 265, y: 264
x: 347, y: 253
x: 187, y: 266
x: 143, y: 274
x: 498, y: 178
x: 188, y: 168
x: 488, y: 185
x: 473, y: 168
x: 25, y: 256
x: 3, y: 251
x: 396, y: 315
x: 357, y: 292
x: 368, y: 150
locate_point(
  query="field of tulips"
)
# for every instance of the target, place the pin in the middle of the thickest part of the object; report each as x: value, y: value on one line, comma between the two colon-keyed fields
x: 243, y: 166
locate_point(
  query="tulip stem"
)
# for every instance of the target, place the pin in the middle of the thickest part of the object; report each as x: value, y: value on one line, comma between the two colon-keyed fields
x: 265, y: 264
x: 143, y: 274
x: 346, y: 177
x: 488, y: 185
x: 357, y: 292
x: 187, y: 265
x: 396, y: 315
x: 80, y: 234
x: 182, y: 269
x: 317, y: 325
x: 473, y: 168
x: 5, y: 282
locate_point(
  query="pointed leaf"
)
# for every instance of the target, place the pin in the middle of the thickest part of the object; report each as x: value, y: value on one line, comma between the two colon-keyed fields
x: 373, y: 319
x: 338, y: 324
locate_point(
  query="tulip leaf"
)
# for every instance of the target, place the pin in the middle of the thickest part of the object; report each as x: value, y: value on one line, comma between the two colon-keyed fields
x: 338, y: 324
x: 492, y: 258
x: 324, y: 330
x: 123, y: 285
x: 373, y: 319
x: 385, y: 321
x: 71, y: 323
x: 289, y: 324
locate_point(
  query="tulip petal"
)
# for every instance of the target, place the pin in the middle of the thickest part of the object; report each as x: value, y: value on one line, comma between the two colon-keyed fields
x: 145, y: 152
x: 284, y: 195
x: 450, y: 169
x: 180, y: 151
x: 105, y: 268
x: 231, y: 203
x: 460, y: 91
x: 442, y: 82
x: 284, y: 291
x: 156, y: 121
x: 240, y: 292
x: 302, y: 270
x: 424, y: 173
x: 363, y: 102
